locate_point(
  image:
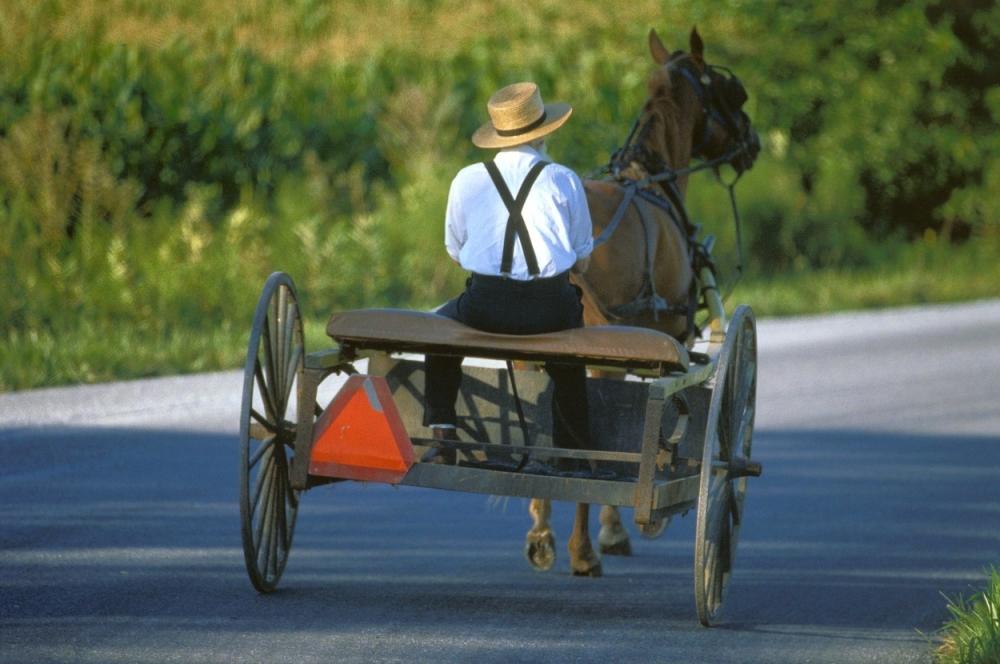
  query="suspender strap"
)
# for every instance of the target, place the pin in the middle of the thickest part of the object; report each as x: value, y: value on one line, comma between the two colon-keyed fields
x: 515, y: 222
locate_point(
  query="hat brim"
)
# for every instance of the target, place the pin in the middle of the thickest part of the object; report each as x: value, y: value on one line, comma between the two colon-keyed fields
x: 556, y: 116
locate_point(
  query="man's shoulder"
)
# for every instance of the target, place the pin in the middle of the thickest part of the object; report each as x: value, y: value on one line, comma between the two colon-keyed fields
x: 555, y: 168
x: 559, y: 175
x: 472, y: 171
x: 562, y: 176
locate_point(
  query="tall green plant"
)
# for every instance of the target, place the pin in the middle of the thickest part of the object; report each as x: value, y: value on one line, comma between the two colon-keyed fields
x: 972, y: 636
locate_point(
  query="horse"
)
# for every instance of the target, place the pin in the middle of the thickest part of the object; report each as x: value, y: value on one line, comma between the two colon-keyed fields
x: 643, y: 272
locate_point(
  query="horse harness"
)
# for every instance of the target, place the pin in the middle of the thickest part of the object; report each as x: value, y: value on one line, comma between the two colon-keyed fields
x: 723, y: 106
x: 648, y: 299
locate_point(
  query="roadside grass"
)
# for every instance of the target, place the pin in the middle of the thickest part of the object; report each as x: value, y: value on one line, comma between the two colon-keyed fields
x: 972, y: 636
x: 101, y: 349
x: 922, y: 273
x: 104, y: 350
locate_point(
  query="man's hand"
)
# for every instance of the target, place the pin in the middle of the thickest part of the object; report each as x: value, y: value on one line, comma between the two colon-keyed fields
x: 581, y: 265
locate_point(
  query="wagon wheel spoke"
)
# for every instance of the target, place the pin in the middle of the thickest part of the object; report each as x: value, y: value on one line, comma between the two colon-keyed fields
x: 283, y: 520
x: 264, y: 448
x: 292, y: 499
x: 265, y: 394
x: 292, y: 368
x: 735, y: 508
x: 267, y: 496
x: 270, y: 565
x: 264, y: 540
x: 265, y: 354
x: 290, y: 315
x: 260, y: 483
x: 285, y: 316
x: 273, y: 342
x: 262, y: 423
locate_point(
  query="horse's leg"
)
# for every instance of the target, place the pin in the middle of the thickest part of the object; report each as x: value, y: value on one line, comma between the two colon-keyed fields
x: 613, y: 537
x: 540, y: 544
x: 582, y: 559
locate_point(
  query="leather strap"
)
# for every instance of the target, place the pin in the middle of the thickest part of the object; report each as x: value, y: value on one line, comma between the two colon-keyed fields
x: 515, y: 222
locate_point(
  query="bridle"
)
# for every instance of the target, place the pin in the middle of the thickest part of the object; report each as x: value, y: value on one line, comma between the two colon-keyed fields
x: 722, y: 96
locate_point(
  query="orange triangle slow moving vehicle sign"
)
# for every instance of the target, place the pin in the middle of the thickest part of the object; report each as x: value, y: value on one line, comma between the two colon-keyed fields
x: 360, y: 435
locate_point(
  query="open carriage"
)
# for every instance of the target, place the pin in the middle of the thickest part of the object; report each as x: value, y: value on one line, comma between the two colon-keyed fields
x: 674, y: 436
x: 671, y: 425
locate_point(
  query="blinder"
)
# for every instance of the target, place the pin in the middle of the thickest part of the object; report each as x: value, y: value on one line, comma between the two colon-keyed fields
x: 728, y: 86
x: 722, y: 95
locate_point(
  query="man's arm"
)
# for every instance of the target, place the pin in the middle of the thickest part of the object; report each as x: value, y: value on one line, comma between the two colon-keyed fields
x: 582, y: 228
x: 454, y: 225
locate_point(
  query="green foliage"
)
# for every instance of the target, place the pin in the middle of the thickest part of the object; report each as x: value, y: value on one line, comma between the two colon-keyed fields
x: 158, y: 160
x: 923, y: 272
x: 972, y: 636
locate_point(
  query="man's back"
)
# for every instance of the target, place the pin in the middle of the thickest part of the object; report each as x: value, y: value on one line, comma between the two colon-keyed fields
x: 555, y: 214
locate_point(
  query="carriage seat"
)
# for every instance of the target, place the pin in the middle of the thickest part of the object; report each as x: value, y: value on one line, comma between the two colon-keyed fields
x: 402, y: 330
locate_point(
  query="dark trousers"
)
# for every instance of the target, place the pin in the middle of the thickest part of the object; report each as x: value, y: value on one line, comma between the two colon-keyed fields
x: 508, y: 306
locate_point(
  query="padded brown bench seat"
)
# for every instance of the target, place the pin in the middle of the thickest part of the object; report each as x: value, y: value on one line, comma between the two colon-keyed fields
x: 402, y: 330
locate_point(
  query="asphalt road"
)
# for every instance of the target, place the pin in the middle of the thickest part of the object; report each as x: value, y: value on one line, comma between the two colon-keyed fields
x: 879, y: 434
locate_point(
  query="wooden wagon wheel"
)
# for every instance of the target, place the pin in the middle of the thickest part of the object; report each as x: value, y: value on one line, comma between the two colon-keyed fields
x: 268, y: 504
x: 725, y: 465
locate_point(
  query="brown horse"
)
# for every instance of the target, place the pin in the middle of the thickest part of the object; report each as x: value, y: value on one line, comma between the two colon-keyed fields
x: 643, y: 274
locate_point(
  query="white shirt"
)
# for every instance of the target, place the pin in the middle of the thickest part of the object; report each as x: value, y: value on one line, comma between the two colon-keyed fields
x: 555, y: 213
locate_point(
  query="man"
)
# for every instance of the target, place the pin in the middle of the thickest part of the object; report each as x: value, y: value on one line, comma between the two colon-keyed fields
x: 519, y: 224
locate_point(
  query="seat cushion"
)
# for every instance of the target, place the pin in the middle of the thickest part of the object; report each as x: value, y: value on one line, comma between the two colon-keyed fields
x: 402, y: 330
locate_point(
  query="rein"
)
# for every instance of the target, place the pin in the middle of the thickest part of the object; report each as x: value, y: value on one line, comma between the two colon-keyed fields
x: 639, y: 187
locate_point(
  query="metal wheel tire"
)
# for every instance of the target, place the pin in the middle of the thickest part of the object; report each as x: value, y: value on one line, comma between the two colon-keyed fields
x: 268, y: 504
x: 728, y: 440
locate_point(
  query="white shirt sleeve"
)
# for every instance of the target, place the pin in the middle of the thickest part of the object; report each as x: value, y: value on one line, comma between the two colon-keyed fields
x: 581, y: 230
x: 455, y: 233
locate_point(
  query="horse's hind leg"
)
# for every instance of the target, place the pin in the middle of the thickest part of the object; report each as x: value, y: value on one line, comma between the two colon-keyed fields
x: 613, y: 538
x: 540, y: 544
x: 582, y: 559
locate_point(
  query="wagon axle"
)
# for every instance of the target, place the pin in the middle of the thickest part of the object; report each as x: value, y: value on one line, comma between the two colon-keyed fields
x: 739, y: 467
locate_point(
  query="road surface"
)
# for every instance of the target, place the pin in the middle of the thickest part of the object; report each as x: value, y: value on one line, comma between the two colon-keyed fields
x: 880, y: 439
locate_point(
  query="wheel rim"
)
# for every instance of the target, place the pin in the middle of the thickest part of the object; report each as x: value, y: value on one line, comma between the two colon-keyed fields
x: 268, y: 504
x: 728, y: 437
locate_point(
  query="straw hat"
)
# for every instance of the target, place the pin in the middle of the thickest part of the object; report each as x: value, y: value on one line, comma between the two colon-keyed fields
x: 518, y: 116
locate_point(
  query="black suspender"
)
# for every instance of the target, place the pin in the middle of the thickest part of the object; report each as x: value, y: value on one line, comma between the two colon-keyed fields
x: 515, y: 222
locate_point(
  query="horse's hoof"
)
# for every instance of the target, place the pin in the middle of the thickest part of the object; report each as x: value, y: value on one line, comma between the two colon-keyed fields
x: 614, y: 541
x: 619, y: 548
x: 654, y: 529
x: 593, y: 570
x: 540, y: 549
